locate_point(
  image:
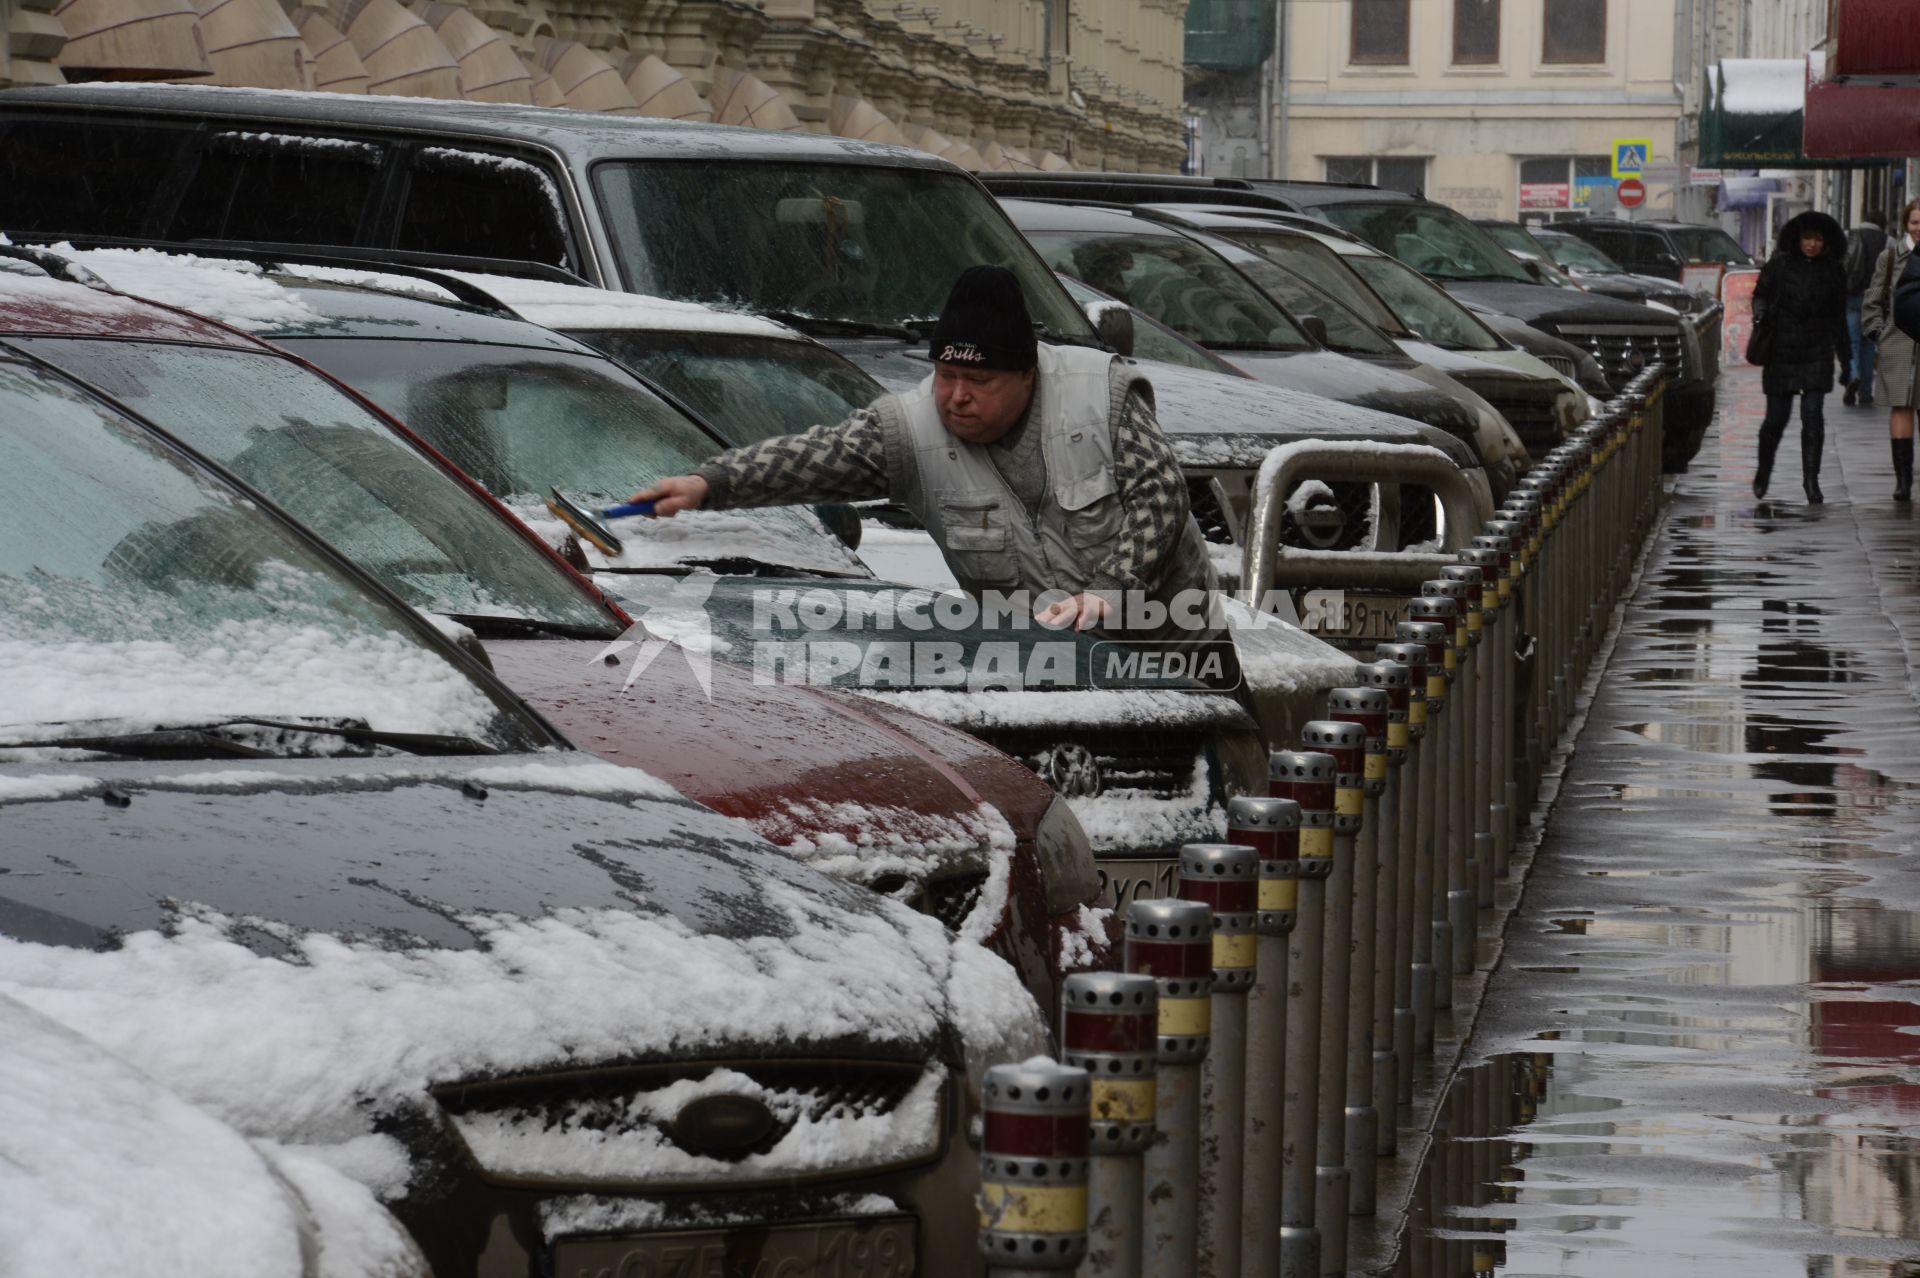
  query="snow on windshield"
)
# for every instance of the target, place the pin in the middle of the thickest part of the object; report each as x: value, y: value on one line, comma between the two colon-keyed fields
x: 784, y: 537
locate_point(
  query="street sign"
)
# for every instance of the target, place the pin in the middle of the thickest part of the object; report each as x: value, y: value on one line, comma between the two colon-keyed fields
x: 1704, y: 177
x: 1630, y: 156
x: 1664, y: 174
x: 1632, y: 193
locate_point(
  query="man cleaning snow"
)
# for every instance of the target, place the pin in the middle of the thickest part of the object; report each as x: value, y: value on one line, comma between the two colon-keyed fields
x: 1034, y: 468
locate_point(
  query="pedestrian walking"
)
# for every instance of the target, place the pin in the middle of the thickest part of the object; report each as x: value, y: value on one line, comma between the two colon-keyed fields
x: 1895, y: 385
x: 1800, y: 328
x: 1035, y: 468
x: 1865, y: 243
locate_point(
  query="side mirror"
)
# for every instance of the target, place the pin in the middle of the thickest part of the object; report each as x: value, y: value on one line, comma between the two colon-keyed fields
x: 1114, y: 323
x: 1316, y: 328
x: 842, y: 520
x: 1533, y: 268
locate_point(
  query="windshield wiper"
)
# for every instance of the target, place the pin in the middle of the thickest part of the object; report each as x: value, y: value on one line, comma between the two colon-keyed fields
x: 490, y: 627
x: 201, y: 740
x: 834, y: 324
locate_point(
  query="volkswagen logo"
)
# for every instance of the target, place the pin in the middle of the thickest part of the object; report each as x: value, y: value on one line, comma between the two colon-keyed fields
x: 1072, y: 770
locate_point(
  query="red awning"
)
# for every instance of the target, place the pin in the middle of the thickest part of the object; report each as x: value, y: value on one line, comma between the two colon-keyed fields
x: 1855, y: 120
x: 1876, y: 41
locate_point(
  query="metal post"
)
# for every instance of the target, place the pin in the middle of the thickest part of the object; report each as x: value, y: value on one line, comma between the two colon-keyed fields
x: 1413, y: 658
x: 1392, y: 678
x: 1108, y: 1027
x: 1488, y: 795
x: 1366, y: 708
x: 1453, y: 797
x: 1346, y: 743
x: 1225, y: 877
x: 1501, y: 537
x: 1306, y: 777
x: 1271, y: 827
x: 1033, y: 1169
x: 1432, y: 627
x: 1171, y: 940
x: 1477, y: 721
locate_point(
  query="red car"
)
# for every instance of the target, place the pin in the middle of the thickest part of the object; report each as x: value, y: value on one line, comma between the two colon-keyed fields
x: 865, y: 791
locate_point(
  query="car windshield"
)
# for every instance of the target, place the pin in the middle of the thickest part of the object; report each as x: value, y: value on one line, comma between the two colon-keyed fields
x: 1510, y: 237
x: 1346, y: 331
x: 1708, y: 244
x: 1322, y: 267
x: 746, y: 388
x: 521, y: 420
x: 1434, y: 241
x: 1424, y: 306
x: 1576, y: 254
x: 1178, y: 282
x: 845, y: 246
x: 343, y: 472
x: 1153, y: 340
x: 138, y: 591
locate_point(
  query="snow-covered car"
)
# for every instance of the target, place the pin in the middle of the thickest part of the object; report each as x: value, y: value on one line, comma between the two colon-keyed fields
x: 927, y: 814
x: 105, y: 1171
x: 271, y: 836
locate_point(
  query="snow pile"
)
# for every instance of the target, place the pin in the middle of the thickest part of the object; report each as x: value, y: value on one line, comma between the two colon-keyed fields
x: 605, y: 780
x: 1080, y: 707
x: 1304, y: 498
x: 339, y: 148
x: 1278, y: 656
x: 862, y: 842
x: 575, y: 307
x: 1084, y: 941
x: 587, y: 1214
x: 23, y: 789
x: 1763, y: 86
x: 236, y: 293
x: 589, y: 1145
x: 1122, y: 820
x: 358, y: 1237
x: 997, y: 1018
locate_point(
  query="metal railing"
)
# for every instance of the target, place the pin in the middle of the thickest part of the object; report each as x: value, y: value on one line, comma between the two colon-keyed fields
x: 1223, y: 1105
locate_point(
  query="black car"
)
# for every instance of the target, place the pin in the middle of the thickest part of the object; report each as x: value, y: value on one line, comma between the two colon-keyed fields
x: 1593, y: 269
x: 1663, y: 249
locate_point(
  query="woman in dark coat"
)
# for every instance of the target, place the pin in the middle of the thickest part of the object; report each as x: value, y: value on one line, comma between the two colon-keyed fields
x: 1803, y: 291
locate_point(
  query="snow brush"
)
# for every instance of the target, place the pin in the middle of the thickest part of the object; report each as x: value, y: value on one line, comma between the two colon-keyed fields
x: 587, y: 524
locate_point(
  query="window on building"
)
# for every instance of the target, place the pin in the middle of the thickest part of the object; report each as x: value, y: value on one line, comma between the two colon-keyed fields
x: 1562, y: 184
x: 1380, y: 32
x: 1576, y: 31
x: 1396, y: 172
x: 1476, y: 32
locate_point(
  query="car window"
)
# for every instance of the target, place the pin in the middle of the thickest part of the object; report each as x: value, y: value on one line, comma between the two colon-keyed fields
x: 1321, y: 267
x: 1346, y: 331
x: 340, y: 470
x: 1153, y: 340
x: 96, y: 177
x: 278, y: 188
x: 1180, y: 283
x: 746, y: 388
x: 1424, y: 306
x: 478, y: 204
x: 1613, y: 243
x: 1432, y: 240
x: 1572, y: 251
x: 1708, y: 244
x: 137, y: 589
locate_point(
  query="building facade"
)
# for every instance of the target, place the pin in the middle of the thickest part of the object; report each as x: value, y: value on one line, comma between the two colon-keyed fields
x: 991, y: 83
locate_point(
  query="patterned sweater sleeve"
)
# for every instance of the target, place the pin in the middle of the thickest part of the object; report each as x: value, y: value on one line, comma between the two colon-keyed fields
x: 1153, y: 493
x: 846, y: 461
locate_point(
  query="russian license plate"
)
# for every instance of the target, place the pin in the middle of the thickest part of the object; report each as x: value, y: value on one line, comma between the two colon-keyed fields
x: 877, y: 1247
x: 1350, y: 616
x: 1123, y: 882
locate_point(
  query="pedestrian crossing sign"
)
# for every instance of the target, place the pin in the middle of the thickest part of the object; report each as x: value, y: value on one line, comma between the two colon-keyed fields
x: 1630, y: 156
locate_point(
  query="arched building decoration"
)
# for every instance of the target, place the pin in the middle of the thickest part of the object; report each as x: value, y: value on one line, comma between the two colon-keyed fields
x: 587, y: 80
x: 661, y: 91
x: 850, y: 117
x: 403, y: 57
x: 490, y: 71
x: 334, y: 62
x: 253, y: 43
x: 740, y: 97
x: 131, y: 40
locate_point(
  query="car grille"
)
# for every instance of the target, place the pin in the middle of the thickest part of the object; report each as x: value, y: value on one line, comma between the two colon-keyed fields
x: 1562, y: 365
x: 595, y: 1109
x: 1528, y: 409
x: 1156, y: 763
x: 1624, y: 349
x: 1353, y: 531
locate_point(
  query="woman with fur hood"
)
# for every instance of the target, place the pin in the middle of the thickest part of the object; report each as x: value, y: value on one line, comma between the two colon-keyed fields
x: 1897, y: 383
x: 1802, y: 293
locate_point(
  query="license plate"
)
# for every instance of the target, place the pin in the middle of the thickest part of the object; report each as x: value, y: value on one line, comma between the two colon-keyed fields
x: 1351, y: 617
x: 1124, y: 881
x: 880, y: 1247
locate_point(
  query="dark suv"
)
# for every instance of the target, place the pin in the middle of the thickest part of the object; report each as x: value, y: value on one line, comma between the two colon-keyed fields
x: 1446, y: 247
x: 1665, y: 249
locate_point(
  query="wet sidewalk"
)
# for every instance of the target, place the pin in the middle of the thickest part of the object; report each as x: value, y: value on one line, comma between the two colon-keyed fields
x: 1700, y: 1054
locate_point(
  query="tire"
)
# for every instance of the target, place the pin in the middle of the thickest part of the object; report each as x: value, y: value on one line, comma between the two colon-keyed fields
x: 1689, y: 413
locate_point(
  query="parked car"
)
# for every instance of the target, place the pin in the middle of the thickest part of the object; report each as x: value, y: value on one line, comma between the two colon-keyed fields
x: 903, y: 805
x: 1663, y: 249
x: 105, y: 1171
x: 274, y: 837
x: 1593, y: 269
x: 1441, y: 244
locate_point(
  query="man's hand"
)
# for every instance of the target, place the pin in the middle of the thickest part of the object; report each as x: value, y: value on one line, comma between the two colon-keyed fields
x: 1082, y: 612
x: 673, y: 495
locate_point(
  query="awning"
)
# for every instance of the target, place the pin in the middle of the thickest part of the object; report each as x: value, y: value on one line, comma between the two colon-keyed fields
x: 588, y: 80
x: 253, y: 43
x: 402, y: 54
x: 662, y: 91
x: 1753, y: 115
x: 337, y: 67
x: 740, y: 97
x: 131, y: 40
x: 1873, y: 42
x: 858, y: 118
x: 490, y: 71
x: 1859, y: 120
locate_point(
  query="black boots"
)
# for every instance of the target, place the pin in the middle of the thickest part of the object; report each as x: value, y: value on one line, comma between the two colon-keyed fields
x: 1813, y: 439
x: 1903, y: 469
x: 1769, y: 445
x: 1853, y: 389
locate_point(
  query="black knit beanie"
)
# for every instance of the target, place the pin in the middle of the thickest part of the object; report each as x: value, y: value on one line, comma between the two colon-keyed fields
x: 985, y: 323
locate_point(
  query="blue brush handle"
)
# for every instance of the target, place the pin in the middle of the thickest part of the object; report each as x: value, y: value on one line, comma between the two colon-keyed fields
x: 629, y: 509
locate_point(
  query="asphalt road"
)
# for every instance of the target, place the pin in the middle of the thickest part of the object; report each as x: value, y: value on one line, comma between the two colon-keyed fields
x: 1700, y: 1054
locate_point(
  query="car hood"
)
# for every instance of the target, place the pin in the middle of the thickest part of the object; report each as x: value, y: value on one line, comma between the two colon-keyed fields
x: 1362, y: 384
x: 305, y: 946
x: 1631, y: 287
x: 819, y: 774
x: 1550, y: 307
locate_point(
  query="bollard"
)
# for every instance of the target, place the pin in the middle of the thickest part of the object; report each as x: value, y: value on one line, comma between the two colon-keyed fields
x: 1346, y: 744
x: 1271, y: 827
x: 1474, y: 704
x: 1307, y: 778
x: 1413, y: 658
x: 1432, y: 627
x: 1033, y: 1168
x: 1503, y: 537
x: 1225, y: 877
x: 1452, y: 797
x: 1109, y: 1028
x: 1368, y: 709
x: 1487, y: 790
x: 1171, y: 941
x: 1392, y: 678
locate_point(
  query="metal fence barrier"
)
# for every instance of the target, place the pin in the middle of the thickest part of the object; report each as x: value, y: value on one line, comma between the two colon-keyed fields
x: 1222, y: 1105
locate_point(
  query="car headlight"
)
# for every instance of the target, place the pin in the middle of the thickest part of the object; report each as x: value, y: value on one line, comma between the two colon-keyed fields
x: 1066, y: 859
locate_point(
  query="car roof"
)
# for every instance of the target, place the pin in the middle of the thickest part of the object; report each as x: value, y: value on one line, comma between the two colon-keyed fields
x: 575, y: 307
x: 43, y: 306
x: 583, y: 135
x: 1215, y: 218
x: 1047, y: 215
x: 1319, y: 193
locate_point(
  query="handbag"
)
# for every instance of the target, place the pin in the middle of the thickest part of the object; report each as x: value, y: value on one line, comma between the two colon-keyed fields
x: 1760, y: 340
